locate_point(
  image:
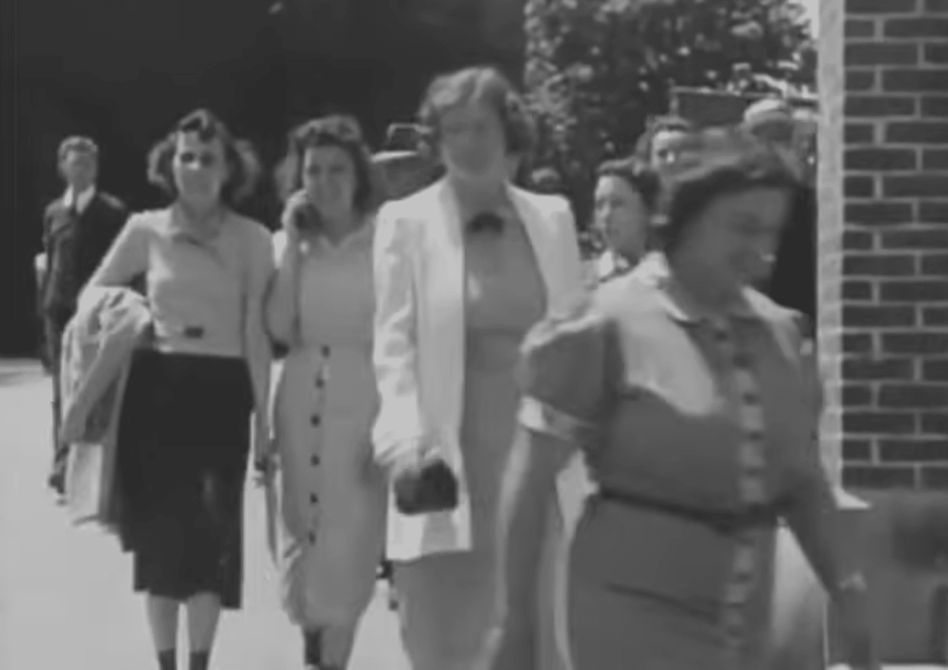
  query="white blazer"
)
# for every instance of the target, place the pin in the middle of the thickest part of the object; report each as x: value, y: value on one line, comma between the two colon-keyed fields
x: 419, y: 341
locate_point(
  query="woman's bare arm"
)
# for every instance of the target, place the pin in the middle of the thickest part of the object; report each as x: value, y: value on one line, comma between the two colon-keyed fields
x: 282, y: 302
x: 527, y: 488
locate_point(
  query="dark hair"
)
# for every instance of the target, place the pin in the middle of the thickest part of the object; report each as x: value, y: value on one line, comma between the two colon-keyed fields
x: 771, y: 120
x: 486, y: 85
x: 714, y: 162
x: 659, y: 124
x: 547, y: 180
x: 242, y: 163
x: 78, y: 143
x: 337, y: 130
x: 636, y: 173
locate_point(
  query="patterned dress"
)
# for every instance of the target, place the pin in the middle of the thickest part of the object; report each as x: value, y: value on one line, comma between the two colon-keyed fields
x: 333, y: 496
x: 694, y: 415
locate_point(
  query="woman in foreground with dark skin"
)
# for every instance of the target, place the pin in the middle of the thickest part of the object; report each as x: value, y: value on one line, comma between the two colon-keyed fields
x: 695, y: 407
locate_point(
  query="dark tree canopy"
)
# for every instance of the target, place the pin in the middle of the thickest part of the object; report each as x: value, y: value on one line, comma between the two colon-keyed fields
x: 597, y: 69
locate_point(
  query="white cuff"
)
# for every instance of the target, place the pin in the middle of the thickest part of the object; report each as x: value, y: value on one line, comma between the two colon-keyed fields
x: 540, y: 417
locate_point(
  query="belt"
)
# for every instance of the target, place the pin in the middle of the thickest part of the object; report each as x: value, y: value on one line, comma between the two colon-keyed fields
x: 726, y: 522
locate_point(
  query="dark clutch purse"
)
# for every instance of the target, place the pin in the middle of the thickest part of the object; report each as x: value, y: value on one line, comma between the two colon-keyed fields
x: 427, y: 487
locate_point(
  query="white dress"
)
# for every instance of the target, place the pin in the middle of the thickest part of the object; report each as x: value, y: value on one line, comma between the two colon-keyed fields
x: 332, y: 494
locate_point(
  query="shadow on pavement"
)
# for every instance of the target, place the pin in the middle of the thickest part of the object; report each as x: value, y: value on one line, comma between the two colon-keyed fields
x: 18, y: 371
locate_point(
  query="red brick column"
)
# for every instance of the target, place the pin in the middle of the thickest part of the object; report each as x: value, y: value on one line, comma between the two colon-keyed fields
x: 883, y: 85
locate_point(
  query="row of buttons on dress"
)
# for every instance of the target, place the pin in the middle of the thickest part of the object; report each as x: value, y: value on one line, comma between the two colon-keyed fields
x: 316, y: 420
x: 752, y: 464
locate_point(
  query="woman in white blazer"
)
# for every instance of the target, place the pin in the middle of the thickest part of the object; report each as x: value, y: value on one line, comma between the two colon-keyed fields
x: 462, y: 269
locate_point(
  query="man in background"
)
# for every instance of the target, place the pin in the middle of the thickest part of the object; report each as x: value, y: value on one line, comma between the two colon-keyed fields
x: 78, y: 229
x: 658, y: 145
x: 793, y: 280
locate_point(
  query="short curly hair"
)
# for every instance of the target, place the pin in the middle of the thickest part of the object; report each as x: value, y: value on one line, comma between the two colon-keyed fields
x: 636, y: 173
x: 660, y: 124
x: 77, y: 143
x: 241, y: 158
x: 479, y: 84
x: 715, y: 162
x: 336, y: 130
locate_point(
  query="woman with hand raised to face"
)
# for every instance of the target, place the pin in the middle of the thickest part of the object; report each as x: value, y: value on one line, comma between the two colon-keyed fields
x: 321, y: 308
x: 185, y: 430
x: 463, y: 269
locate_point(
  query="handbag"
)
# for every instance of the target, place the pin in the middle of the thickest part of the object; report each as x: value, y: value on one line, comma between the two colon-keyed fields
x: 425, y: 487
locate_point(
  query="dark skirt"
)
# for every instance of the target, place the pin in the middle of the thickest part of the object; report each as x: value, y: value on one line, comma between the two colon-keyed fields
x: 184, y: 438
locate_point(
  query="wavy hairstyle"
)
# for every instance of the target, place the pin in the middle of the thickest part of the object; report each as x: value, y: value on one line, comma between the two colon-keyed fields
x: 77, y: 143
x: 714, y: 162
x: 659, y: 124
x: 479, y: 84
x: 243, y: 166
x: 638, y: 175
x: 336, y: 130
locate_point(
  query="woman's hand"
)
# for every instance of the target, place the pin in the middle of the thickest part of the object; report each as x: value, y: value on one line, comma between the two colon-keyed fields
x: 421, y: 480
x: 298, y: 208
x: 851, y: 602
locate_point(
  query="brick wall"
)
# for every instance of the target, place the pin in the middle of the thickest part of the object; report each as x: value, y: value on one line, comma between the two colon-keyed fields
x: 884, y: 240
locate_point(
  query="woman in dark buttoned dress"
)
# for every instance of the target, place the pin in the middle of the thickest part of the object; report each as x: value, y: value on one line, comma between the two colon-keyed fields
x: 696, y: 409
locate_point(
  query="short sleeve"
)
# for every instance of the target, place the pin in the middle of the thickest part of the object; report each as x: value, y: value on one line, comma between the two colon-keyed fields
x: 563, y: 375
x: 261, y: 258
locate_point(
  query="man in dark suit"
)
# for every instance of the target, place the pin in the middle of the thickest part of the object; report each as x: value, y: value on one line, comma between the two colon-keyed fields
x: 78, y: 229
x: 793, y: 282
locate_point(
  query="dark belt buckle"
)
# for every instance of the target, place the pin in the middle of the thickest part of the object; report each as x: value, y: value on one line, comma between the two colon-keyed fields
x: 193, y: 332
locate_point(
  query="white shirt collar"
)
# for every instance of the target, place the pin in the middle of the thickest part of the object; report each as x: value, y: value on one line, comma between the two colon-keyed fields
x: 81, y: 200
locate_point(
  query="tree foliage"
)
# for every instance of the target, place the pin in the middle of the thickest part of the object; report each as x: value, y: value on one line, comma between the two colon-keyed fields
x: 597, y: 69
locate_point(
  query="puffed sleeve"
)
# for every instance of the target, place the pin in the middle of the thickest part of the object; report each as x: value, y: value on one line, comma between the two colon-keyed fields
x: 395, y: 344
x: 563, y: 374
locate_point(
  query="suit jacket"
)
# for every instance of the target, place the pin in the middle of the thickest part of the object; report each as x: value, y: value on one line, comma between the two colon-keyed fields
x: 419, y: 339
x: 74, y: 246
x: 793, y: 281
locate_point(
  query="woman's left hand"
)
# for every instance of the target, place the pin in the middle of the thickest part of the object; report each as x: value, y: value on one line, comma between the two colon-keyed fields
x: 855, y: 626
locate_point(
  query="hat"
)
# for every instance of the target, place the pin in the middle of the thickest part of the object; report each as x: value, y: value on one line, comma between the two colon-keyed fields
x: 771, y: 119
